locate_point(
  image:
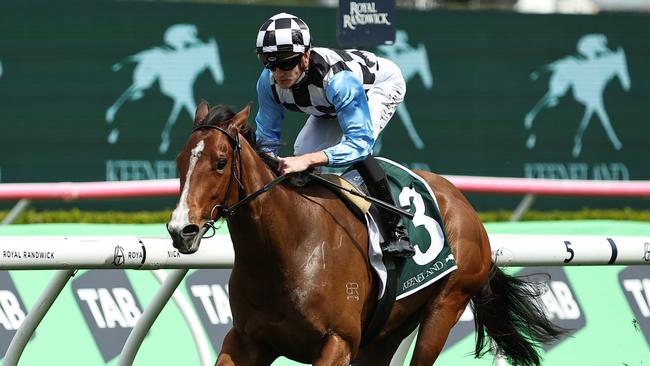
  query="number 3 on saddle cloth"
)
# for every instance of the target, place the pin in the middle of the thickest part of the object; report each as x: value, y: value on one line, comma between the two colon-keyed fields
x: 433, y: 258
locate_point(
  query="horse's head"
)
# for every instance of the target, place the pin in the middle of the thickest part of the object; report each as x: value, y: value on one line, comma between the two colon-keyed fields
x: 621, y: 68
x: 209, y: 168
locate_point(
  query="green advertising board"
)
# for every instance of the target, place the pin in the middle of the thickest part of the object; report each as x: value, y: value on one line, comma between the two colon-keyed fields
x: 607, y: 308
x: 105, y: 90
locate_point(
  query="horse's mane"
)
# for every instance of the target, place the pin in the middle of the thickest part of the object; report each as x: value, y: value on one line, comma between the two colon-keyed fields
x: 220, y: 115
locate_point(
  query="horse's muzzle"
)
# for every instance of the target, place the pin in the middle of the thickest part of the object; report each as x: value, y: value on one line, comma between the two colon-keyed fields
x: 188, y: 239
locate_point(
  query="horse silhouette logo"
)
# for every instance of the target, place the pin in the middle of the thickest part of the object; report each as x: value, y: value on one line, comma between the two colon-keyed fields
x: 587, y: 75
x: 175, y: 66
x: 412, y: 61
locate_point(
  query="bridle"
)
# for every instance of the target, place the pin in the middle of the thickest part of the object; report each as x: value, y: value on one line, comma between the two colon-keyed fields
x: 227, y: 212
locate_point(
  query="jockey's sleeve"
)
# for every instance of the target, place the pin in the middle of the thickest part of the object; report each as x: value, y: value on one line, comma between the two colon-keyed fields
x: 346, y: 93
x: 269, y: 116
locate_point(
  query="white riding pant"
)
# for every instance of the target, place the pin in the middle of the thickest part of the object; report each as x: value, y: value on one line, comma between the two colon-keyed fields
x: 383, y: 99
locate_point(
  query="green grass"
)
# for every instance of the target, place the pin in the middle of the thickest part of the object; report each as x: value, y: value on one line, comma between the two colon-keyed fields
x: 151, y: 217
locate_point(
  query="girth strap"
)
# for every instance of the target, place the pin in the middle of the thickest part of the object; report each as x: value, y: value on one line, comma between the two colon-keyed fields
x: 385, y: 304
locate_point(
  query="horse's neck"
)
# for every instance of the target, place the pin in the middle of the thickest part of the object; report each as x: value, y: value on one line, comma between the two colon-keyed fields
x: 254, y: 172
x: 254, y: 175
x: 253, y: 229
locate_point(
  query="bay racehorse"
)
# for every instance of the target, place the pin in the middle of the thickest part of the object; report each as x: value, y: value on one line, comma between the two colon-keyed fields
x: 298, y: 249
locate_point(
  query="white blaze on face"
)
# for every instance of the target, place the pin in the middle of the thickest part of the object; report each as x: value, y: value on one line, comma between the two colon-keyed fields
x: 180, y: 216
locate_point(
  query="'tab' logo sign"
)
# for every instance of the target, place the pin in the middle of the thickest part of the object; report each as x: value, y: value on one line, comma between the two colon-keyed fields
x: 635, y: 282
x: 559, y: 302
x: 12, y: 311
x: 108, y: 304
x: 209, y: 291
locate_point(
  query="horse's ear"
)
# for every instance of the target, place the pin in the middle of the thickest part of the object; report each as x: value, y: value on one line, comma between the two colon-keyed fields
x: 240, y: 119
x: 201, y: 112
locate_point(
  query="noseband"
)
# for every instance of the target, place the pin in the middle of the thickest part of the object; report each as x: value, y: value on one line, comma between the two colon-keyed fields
x: 227, y: 212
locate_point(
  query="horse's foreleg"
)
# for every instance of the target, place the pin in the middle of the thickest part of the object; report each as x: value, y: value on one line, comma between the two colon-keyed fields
x: 408, y: 124
x: 381, y: 351
x: 439, y: 317
x: 604, y: 120
x: 240, y: 351
x: 577, y: 146
x: 335, y: 352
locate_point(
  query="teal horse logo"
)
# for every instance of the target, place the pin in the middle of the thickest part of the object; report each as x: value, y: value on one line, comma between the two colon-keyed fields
x: 586, y: 75
x: 412, y: 61
x: 176, y: 67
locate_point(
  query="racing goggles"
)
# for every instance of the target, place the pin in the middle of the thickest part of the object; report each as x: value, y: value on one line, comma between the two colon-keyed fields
x: 284, y: 65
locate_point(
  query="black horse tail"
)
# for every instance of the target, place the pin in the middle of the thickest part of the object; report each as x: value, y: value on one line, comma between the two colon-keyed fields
x: 509, y: 310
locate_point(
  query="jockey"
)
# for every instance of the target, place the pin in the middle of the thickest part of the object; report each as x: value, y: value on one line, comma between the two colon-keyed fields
x: 350, y: 96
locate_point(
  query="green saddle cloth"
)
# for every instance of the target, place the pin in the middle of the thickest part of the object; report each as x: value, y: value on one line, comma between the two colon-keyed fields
x: 433, y: 258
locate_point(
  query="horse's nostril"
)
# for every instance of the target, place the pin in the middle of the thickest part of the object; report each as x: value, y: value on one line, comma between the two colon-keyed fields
x: 190, y: 230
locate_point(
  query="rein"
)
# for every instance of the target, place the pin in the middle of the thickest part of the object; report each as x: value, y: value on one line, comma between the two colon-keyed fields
x: 227, y: 212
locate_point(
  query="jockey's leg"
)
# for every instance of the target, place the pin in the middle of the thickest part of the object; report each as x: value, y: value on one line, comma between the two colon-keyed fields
x: 335, y: 352
x: 241, y: 351
x: 396, y: 242
x: 317, y: 134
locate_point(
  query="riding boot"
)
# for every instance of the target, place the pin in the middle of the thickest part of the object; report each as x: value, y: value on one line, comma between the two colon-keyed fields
x: 396, y: 241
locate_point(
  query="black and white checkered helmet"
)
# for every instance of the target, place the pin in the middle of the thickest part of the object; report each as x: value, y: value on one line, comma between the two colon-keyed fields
x: 283, y: 33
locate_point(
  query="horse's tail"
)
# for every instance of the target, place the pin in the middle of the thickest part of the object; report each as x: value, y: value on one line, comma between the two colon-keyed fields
x: 535, y: 74
x: 509, y: 310
x: 118, y: 65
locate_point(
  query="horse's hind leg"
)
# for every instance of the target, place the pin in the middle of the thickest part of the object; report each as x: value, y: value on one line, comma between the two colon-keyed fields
x: 545, y: 101
x: 438, y: 318
x: 240, y: 351
x: 164, y: 135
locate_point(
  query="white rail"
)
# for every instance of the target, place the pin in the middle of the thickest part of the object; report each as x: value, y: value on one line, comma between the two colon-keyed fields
x: 128, y: 252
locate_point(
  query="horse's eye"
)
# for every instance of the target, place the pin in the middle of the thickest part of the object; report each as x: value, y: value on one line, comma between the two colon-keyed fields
x: 221, y: 163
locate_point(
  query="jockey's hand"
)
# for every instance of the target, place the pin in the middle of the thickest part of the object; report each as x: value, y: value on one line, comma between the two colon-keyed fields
x: 296, y: 164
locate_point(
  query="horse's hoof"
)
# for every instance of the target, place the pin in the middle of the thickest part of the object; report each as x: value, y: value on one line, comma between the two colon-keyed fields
x: 164, y: 146
x: 528, y: 122
x: 576, y: 150
x: 110, y: 115
x: 113, y: 136
x: 530, y: 143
